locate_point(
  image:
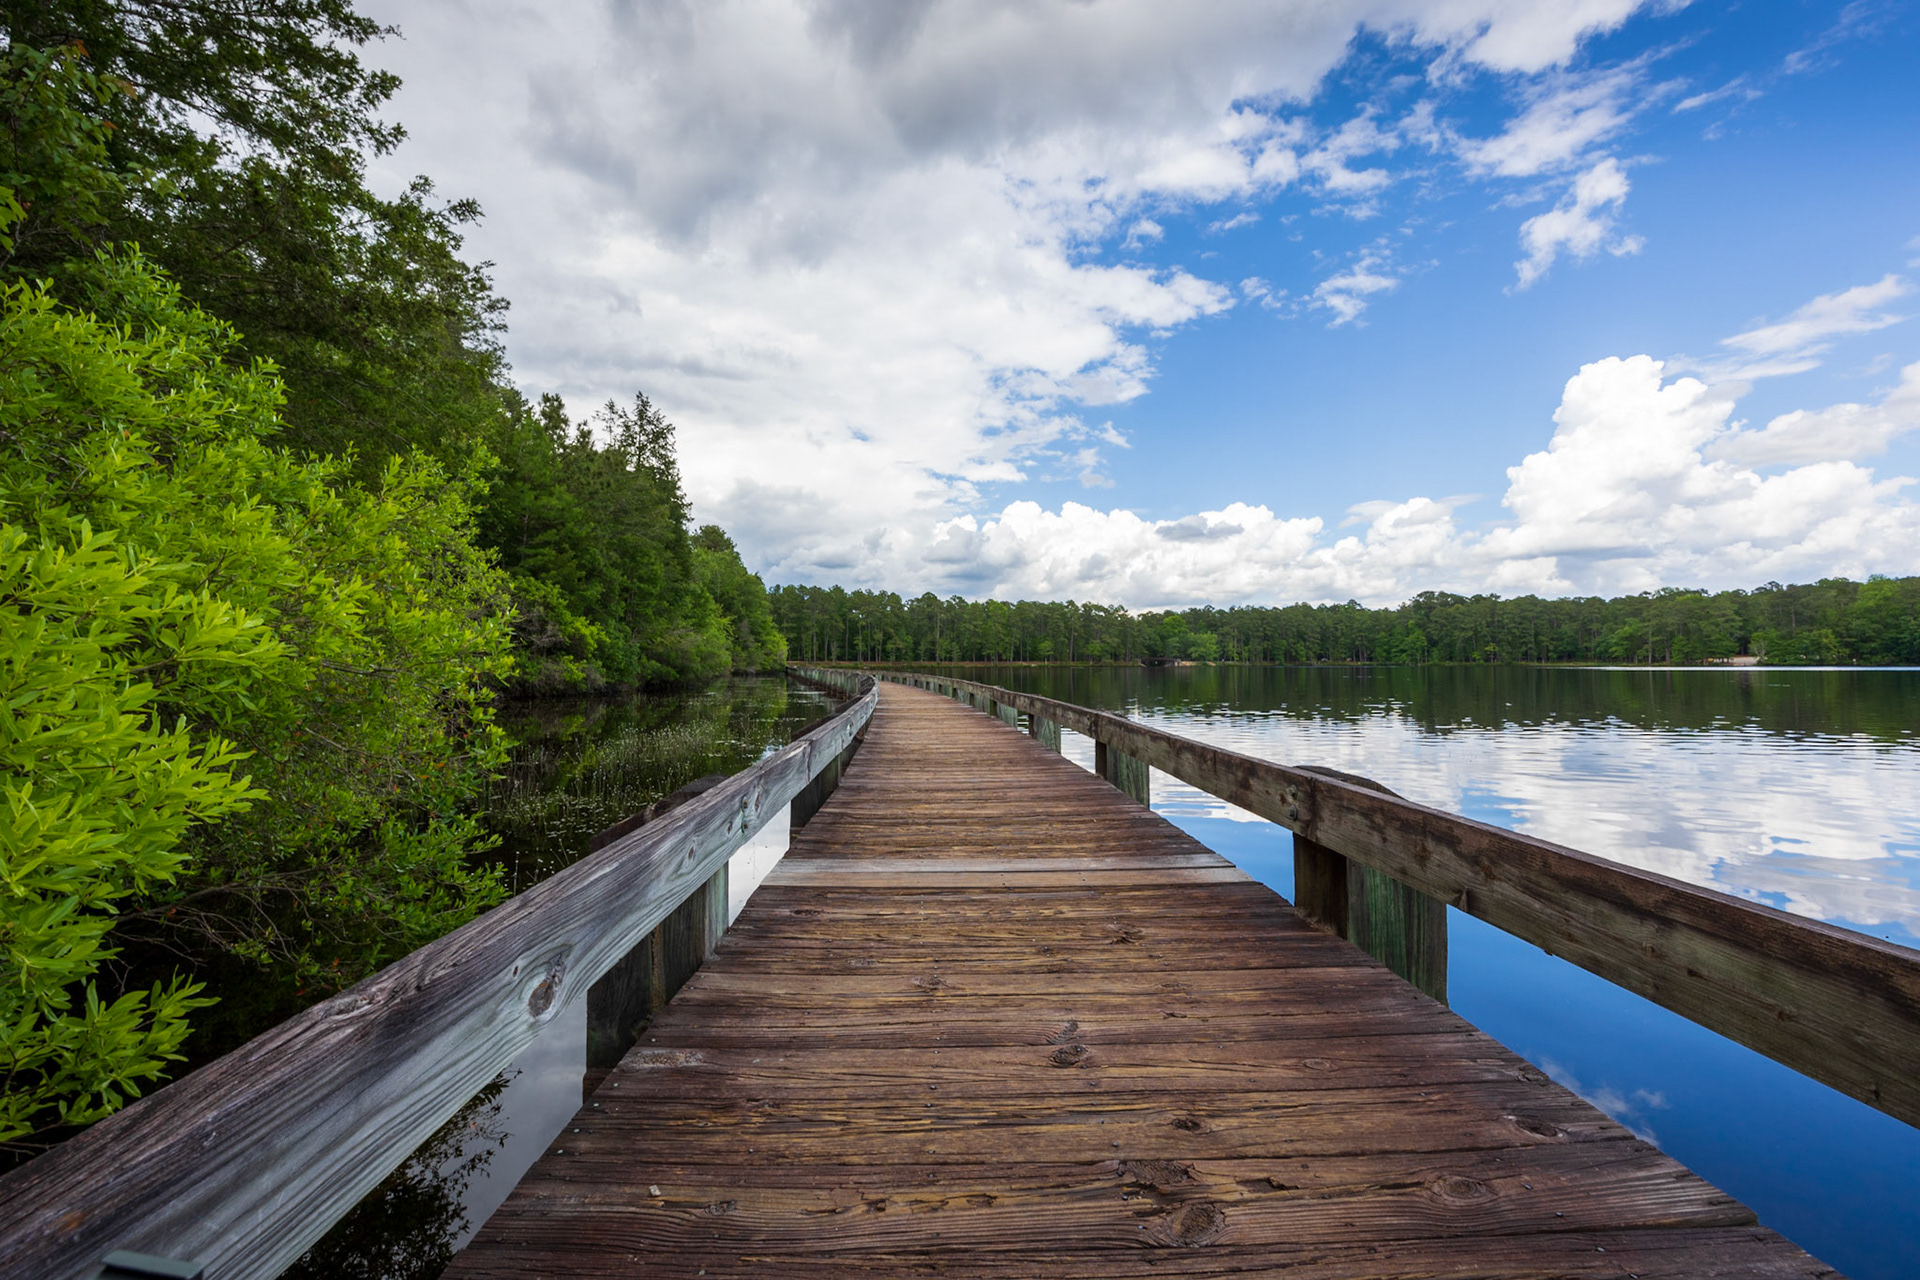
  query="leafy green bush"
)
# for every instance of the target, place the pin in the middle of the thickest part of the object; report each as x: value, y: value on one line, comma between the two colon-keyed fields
x: 184, y: 597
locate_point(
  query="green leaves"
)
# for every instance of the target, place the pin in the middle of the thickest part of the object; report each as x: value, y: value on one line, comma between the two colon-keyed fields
x: 242, y: 700
x: 98, y: 793
x: 57, y: 186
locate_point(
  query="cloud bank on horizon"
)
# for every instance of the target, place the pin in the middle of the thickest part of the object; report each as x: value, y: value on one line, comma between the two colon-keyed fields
x: 909, y: 277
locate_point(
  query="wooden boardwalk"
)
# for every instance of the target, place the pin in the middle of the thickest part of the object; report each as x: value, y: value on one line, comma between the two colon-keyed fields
x: 992, y: 1018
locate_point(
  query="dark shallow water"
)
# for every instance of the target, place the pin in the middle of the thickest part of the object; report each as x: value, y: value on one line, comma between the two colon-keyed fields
x: 1796, y: 788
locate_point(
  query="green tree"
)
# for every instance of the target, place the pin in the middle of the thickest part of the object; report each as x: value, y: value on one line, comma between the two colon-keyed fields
x: 232, y: 142
x: 590, y: 521
x: 186, y: 596
x: 757, y: 644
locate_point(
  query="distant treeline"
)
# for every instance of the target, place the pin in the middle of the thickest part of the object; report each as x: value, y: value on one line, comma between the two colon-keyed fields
x: 1831, y: 621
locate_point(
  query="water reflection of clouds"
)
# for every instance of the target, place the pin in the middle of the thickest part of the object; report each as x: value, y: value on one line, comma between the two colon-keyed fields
x: 1629, y: 1110
x: 1825, y: 826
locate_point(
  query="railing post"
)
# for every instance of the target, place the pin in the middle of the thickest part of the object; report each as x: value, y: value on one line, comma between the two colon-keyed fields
x: 1320, y: 885
x: 625, y: 998
x: 1045, y: 732
x: 1394, y: 923
x: 815, y: 794
x: 1122, y: 770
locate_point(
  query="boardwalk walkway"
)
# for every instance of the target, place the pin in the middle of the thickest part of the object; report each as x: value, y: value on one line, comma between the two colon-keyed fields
x: 991, y: 1018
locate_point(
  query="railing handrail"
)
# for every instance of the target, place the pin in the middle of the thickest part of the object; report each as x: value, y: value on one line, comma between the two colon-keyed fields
x: 1835, y: 1005
x: 242, y: 1165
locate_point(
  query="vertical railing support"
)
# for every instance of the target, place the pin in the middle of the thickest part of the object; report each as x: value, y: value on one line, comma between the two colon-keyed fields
x: 824, y: 783
x: 625, y: 998
x: 1045, y: 732
x: 1122, y: 770
x: 1397, y: 925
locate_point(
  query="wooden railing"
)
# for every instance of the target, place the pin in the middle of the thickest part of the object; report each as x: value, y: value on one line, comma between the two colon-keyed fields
x: 1830, y: 1003
x: 242, y: 1165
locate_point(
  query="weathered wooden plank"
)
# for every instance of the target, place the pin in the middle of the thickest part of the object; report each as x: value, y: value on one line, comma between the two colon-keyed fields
x: 1221, y: 1126
x: 1836, y: 1005
x: 1664, y: 1254
x: 246, y: 1162
x: 1029, y: 863
x: 1330, y: 1063
x: 1168, y: 876
x: 1103, y: 1206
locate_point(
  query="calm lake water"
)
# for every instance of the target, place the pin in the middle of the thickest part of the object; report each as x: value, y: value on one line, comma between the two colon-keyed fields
x: 1797, y: 788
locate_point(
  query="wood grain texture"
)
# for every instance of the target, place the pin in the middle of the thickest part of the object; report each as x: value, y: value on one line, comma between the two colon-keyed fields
x: 1833, y: 1004
x: 1071, y: 1047
x: 246, y: 1162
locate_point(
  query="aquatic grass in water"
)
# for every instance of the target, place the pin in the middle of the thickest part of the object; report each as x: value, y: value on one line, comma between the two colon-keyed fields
x: 580, y: 767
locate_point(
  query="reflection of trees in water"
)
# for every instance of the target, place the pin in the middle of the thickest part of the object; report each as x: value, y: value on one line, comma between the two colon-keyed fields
x: 580, y: 767
x: 407, y: 1227
x: 1883, y: 705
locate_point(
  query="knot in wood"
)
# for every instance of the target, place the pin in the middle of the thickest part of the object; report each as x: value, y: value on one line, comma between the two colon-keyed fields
x: 1161, y: 1175
x: 1458, y: 1189
x: 1069, y: 1055
x: 1189, y: 1124
x: 1538, y: 1128
x: 1199, y: 1223
x: 542, y: 998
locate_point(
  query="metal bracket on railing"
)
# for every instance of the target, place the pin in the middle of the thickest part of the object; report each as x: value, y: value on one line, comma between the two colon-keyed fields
x: 125, y: 1262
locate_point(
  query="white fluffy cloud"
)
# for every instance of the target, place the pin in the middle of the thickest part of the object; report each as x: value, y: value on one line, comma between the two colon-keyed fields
x: 1841, y: 430
x: 845, y: 240
x: 1565, y: 118
x: 1645, y: 482
x: 1580, y: 225
x: 1794, y: 345
x: 1346, y: 293
x: 1625, y: 497
x: 838, y: 238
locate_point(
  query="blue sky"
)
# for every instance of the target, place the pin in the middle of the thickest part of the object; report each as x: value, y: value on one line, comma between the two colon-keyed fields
x: 1245, y: 302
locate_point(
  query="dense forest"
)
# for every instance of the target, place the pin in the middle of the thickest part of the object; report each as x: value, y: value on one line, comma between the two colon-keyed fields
x: 1831, y: 621
x: 275, y: 532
